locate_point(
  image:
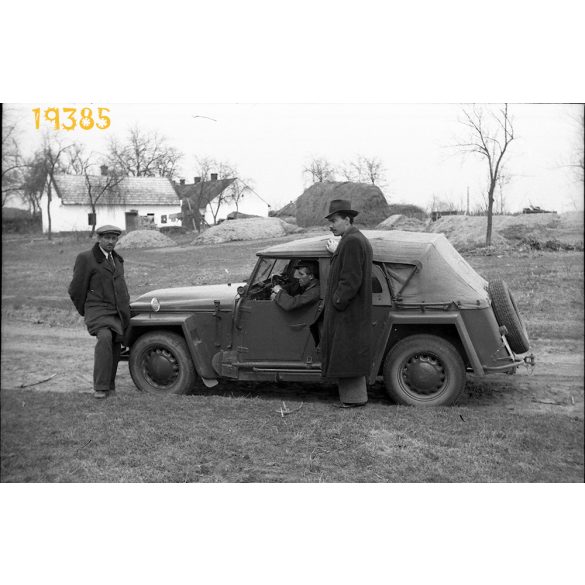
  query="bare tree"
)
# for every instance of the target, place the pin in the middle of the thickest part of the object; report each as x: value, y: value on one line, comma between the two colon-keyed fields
x: 52, y: 159
x: 102, y: 189
x: 239, y: 188
x: 143, y: 154
x: 34, y: 181
x: 578, y: 157
x: 348, y: 171
x: 320, y: 169
x: 13, y: 165
x: 490, y: 134
x: 373, y: 169
x: 365, y: 169
x: 76, y: 160
x: 502, y: 181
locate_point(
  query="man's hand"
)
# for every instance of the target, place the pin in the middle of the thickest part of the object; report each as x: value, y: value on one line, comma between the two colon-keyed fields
x: 276, y: 288
x: 331, y: 245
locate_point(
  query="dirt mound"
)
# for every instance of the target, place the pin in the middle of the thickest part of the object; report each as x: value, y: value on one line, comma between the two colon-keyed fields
x: 312, y: 206
x: 401, y: 222
x: 145, y: 239
x: 245, y: 229
x: 533, y: 229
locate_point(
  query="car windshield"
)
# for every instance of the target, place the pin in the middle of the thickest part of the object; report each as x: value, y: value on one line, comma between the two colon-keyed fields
x: 268, y: 267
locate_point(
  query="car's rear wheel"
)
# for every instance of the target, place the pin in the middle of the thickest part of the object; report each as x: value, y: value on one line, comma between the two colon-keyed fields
x: 507, y: 314
x: 160, y: 363
x: 424, y: 370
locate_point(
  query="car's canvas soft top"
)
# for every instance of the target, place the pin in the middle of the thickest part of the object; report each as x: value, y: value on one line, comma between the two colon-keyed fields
x: 443, y: 275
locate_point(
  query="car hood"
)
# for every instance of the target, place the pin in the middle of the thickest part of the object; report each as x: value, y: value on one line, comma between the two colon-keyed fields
x: 188, y: 298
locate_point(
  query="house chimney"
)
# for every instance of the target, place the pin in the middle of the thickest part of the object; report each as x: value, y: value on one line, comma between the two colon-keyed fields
x: 197, y: 180
x: 182, y: 181
x: 214, y: 176
x: 104, y: 170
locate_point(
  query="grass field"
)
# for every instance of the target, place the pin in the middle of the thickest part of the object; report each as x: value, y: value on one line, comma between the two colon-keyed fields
x: 236, y: 433
x: 54, y: 437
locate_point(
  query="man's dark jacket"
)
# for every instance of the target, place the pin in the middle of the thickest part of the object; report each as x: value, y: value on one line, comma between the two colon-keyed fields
x: 99, y: 291
x: 300, y: 298
x: 347, y: 324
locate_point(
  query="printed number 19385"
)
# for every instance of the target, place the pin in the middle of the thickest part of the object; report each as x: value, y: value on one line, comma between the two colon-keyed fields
x: 86, y: 121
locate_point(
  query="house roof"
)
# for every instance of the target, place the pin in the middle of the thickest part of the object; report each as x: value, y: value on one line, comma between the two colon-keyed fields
x: 130, y: 191
x: 202, y: 193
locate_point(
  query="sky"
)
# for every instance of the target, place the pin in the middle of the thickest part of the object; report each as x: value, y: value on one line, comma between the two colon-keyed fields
x: 271, y: 144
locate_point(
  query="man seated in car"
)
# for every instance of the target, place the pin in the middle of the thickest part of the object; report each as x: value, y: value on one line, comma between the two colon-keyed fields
x: 302, y: 292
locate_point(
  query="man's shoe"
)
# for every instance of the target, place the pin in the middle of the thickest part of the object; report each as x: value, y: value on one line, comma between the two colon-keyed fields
x: 99, y: 394
x: 350, y: 404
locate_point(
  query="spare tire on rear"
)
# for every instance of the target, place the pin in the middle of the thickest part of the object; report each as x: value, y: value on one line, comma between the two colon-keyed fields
x: 507, y: 314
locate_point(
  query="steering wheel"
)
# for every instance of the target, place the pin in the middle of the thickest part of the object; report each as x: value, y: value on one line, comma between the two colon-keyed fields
x: 260, y: 291
x: 279, y: 279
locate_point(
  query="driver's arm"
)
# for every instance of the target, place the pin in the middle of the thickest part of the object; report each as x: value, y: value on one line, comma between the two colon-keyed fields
x: 288, y: 302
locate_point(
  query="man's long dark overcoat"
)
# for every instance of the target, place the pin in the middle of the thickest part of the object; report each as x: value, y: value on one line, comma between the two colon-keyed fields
x: 99, y: 292
x: 347, y: 324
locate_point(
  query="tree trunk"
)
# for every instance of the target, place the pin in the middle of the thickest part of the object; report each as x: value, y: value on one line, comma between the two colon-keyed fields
x: 488, y: 234
x: 94, y: 220
x: 49, y: 198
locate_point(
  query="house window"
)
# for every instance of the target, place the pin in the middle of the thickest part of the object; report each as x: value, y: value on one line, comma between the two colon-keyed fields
x: 91, y: 219
x: 163, y: 219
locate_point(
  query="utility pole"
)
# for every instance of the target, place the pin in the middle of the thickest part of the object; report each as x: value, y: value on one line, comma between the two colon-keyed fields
x: 467, y: 200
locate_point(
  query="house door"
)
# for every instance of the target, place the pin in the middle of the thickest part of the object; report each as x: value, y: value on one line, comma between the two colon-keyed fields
x: 131, y: 221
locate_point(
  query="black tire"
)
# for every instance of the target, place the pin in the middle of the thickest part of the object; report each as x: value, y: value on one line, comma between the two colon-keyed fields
x: 160, y: 363
x: 424, y: 370
x: 507, y: 314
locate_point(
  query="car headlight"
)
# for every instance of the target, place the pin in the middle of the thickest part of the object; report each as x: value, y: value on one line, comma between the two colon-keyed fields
x: 155, y: 304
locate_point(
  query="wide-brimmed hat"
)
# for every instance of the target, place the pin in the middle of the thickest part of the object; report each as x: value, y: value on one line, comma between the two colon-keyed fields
x: 341, y: 206
x: 108, y: 229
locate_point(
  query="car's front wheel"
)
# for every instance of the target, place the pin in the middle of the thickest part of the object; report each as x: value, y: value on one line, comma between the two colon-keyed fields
x: 424, y: 370
x: 160, y: 363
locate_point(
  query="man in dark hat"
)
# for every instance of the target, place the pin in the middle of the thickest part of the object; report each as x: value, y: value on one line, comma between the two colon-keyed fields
x: 100, y: 295
x: 347, y: 315
x: 305, y: 290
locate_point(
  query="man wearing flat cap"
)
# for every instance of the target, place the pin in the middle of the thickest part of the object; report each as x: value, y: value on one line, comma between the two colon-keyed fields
x: 347, y: 316
x: 100, y: 295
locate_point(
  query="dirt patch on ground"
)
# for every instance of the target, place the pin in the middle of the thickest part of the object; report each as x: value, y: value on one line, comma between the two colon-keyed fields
x: 402, y: 222
x: 259, y: 228
x: 145, y: 239
x: 555, y: 384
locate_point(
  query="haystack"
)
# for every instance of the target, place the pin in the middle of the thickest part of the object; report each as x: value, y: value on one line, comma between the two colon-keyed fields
x: 144, y: 239
x: 246, y: 229
x: 313, y: 204
x: 403, y: 223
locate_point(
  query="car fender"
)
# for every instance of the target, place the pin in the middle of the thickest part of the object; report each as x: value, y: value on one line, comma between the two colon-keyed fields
x: 187, y: 322
x: 447, y: 318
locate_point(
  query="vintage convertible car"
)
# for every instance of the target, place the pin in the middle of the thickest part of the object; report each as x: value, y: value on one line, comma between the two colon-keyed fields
x: 433, y: 319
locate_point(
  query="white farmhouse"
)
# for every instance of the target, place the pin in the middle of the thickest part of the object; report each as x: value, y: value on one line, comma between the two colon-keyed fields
x: 128, y: 202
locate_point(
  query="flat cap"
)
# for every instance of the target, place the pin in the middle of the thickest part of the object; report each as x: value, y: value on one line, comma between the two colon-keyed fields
x: 108, y: 229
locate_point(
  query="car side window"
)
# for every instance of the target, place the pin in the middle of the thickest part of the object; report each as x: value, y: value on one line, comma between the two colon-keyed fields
x: 380, y: 290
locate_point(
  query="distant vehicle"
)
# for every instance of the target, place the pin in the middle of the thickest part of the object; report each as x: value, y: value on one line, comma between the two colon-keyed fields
x: 535, y: 209
x: 435, y: 215
x: 433, y: 319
